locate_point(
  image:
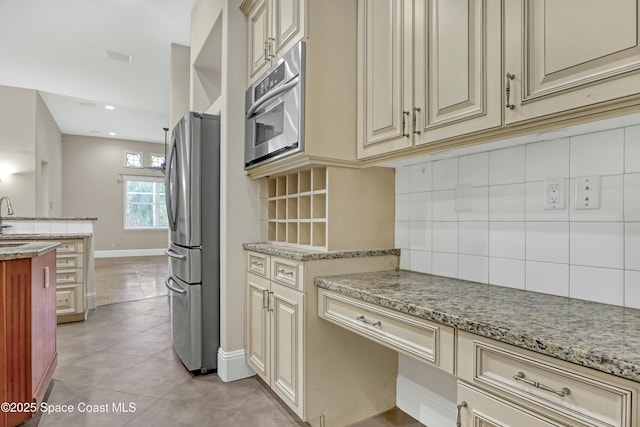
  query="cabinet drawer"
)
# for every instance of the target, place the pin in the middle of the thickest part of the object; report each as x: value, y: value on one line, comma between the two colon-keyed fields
x: 70, y: 246
x: 69, y: 261
x: 286, y: 272
x: 587, y: 398
x: 427, y: 341
x: 258, y: 264
x: 69, y: 299
x: 69, y: 276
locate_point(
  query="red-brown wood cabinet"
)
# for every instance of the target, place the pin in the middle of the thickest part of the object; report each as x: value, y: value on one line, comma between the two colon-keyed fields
x: 28, y: 355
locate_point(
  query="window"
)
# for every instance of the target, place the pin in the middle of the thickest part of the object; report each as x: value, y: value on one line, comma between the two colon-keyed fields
x: 132, y: 159
x: 144, y: 205
x: 157, y: 160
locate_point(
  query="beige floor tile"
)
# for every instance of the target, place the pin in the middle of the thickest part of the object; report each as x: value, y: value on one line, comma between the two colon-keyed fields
x: 209, y: 390
x: 167, y: 413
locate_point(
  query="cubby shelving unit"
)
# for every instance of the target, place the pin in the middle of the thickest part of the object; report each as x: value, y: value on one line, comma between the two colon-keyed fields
x: 308, y: 208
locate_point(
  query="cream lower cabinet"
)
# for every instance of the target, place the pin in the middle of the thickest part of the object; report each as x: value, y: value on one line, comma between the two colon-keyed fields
x: 275, y: 341
x: 325, y: 374
x: 71, y: 274
x: 503, y: 385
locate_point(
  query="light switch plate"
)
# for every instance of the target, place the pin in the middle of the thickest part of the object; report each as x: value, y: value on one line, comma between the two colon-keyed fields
x: 588, y: 192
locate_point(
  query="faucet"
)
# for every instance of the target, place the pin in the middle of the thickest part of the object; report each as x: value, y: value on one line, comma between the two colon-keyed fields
x: 9, y: 212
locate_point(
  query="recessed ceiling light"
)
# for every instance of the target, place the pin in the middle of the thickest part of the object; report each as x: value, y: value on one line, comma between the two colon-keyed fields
x: 117, y: 56
x: 112, y: 133
x: 109, y: 107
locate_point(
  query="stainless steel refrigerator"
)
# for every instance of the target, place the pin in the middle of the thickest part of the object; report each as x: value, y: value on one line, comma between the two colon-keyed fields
x: 192, y: 186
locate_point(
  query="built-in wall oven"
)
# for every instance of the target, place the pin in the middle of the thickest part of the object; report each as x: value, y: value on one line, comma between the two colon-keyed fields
x: 274, y: 110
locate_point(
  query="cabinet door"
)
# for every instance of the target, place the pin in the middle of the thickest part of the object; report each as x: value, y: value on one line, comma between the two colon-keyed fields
x: 288, y: 24
x: 569, y: 54
x: 484, y: 410
x: 257, y: 326
x: 287, y: 329
x: 384, y: 76
x: 257, y: 39
x: 458, y: 72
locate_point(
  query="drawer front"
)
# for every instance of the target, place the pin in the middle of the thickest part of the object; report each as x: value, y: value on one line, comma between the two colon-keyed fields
x: 427, y: 341
x: 65, y: 277
x: 286, y: 272
x: 70, y: 246
x: 587, y: 399
x: 69, y: 261
x: 258, y: 263
x: 69, y: 300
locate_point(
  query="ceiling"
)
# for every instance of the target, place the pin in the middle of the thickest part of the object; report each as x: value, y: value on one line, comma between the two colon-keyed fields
x: 61, y: 48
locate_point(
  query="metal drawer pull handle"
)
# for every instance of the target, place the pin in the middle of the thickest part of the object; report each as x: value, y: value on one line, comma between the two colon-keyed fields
x: 460, y: 405
x: 257, y: 264
x: 368, y: 322
x: 265, y: 298
x: 415, y: 131
x: 507, y: 90
x: 285, y: 272
x: 173, y: 254
x: 404, y: 124
x: 521, y: 377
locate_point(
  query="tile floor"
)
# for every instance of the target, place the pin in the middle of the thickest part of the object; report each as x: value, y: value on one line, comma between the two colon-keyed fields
x: 122, y: 355
x: 129, y: 279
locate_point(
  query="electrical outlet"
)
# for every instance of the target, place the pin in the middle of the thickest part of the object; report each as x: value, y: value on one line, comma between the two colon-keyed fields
x: 588, y: 192
x: 554, y: 194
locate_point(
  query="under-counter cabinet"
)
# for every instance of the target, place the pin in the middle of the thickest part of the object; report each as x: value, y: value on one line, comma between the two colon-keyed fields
x: 28, y: 355
x: 503, y: 385
x: 273, y: 26
x: 315, y: 367
x: 70, y: 280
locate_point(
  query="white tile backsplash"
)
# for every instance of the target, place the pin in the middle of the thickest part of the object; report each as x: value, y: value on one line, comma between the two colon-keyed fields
x: 632, y: 197
x: 444, y: 264
x: 473, y: 238
x: 632, y: 149
x: 508, y: 238
x: 547, y: 160
x: 506, y: 166
x: 474, y: 169
x: 42, y: 227
x: 420, y: 177
x: 548, y: 278
x: 506, y: 272
x: 547, y: 242
x: 445, y: 174
x: 506, y: 202
x: 632, y: 246
x: 597, y: 284
x: 597, y: 244
x: 599, y: 153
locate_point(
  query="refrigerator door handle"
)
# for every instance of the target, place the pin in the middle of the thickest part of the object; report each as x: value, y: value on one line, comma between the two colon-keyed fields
x: 168, y: 282
x: 171, y: 199
x: 170, y: 253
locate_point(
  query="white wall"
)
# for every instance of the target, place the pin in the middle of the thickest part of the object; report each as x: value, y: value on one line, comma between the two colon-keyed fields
x: 508, y: 238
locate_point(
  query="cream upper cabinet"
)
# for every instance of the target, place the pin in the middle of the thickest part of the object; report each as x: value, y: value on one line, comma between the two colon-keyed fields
x: 458, y: 73
x: 564, y: 55
x: 384, y: 76
x: 273, y: 26
x: 427, y: 71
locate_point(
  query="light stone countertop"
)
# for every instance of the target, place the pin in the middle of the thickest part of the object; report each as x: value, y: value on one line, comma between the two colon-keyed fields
x: 598, y: 336
x: 300, y: 254
x: 26, y: 250
x: 47, y: 218
x: 44, y: 236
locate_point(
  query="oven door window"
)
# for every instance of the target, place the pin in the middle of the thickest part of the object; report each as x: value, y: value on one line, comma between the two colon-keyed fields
x: 269, y: 125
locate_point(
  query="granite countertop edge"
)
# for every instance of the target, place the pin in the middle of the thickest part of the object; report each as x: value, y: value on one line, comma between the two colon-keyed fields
x: 301, y: 254
x: 30, y: 250
x: 44, y: 236
x: 42, y: 218
x: 599, y: 361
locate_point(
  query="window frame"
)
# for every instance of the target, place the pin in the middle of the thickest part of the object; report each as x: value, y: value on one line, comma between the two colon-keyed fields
x: 155, y: 204
x: 139, y: 153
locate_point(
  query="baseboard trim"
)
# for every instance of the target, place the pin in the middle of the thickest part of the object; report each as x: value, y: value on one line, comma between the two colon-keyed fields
x: 125, y: 253
x: 232, y: 366
x: 423, y: 404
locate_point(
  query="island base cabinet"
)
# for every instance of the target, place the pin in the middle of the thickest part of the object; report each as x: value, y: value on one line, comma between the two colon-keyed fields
x: 479, y: 409
x: 28, y: 355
